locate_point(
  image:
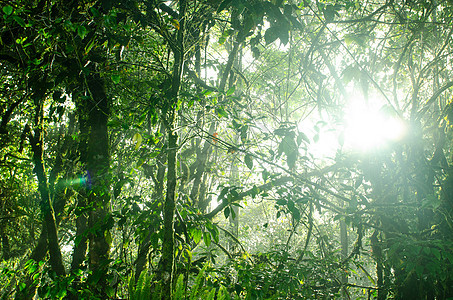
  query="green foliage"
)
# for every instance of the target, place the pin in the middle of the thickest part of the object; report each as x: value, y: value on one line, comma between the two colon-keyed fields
x: 260, y: 212
x: 142, y: 289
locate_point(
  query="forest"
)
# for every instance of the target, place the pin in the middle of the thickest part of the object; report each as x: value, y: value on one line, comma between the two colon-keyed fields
x: 226, y: 149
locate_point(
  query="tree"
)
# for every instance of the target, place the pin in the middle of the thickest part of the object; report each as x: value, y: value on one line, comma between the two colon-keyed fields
x: 133, y: 132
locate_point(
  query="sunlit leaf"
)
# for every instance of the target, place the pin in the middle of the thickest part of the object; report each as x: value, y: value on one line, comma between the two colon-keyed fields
x: 175, y: 23
x: 207, y: 238
x: 89, y: 47
x: 221, y: 112
x: 231, y: 90
x: 196, y: 234
x: 137, y: 140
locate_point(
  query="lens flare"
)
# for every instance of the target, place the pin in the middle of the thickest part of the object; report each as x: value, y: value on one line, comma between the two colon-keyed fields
x: 368, y: 127
x: 82, y: 180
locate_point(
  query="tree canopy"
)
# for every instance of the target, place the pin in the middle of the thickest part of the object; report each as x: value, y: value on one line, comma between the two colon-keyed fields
x: 229, y: 149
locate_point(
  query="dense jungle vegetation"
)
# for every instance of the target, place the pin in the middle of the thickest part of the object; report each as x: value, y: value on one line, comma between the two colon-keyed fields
x: 235, y: 149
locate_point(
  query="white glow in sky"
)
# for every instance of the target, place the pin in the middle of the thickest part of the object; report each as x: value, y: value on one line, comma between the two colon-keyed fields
x: 370, y: 126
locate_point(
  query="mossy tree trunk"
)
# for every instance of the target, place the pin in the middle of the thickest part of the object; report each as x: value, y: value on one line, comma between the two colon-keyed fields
x: 98, y: 176
x: 167, y: 262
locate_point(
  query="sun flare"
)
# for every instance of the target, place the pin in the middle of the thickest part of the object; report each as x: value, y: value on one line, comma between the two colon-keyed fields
x: 369, y: 127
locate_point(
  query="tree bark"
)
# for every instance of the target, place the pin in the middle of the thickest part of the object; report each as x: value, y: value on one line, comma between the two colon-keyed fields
x: 49, y: 225
x: 344, y: 254
x: 167, y: 261
x: 168, y: 241
x: 143, y: 248
x: 97, y: 180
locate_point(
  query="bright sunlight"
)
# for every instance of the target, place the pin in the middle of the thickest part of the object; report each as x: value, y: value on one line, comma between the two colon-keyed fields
x: 370, y: 126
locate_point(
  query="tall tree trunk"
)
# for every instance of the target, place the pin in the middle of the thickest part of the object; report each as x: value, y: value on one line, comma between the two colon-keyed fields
x: 344, y: 254
x: 168, y: 241
x: 48, y: 240
x: 158, y: 179
x: 167, y: 259
x: 49, y: 225
x: 97, y: 181
x: 81, y: 239
x: 377, y: 254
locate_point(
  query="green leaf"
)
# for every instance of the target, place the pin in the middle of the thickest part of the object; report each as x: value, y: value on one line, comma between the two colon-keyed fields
x: 419, y: 270
x: 226, y: 212
x: 271, y: 35
x: 8, y: 9
x: 291, y: 159
x: 277, y: 32
x: 244, y: 130
x: 196, y: 234
x: 95, y: 12
x: 89, y: 47
x: 115, y: 78
x: 22, y: 286
x: 188, y: 254
x: 248, y: 161
x: 82, y: 31
x: 256, y: 52
x: 302, y: 137
x: 179, y: 290
x: 114, y: 123
x: 282, y: 201
x: 207, y: 238
x: 36, y: 61
x: 296, y: 214
x: 224, y: 5
x: 19, y: 21
x: 233, y: 214
x: 231, y: 90
x: 137, y: 140
x: 291, y: 205
x: 215, y: 234
x: 221, y: 112
x: 436, y: 253
x: 62, y: 292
